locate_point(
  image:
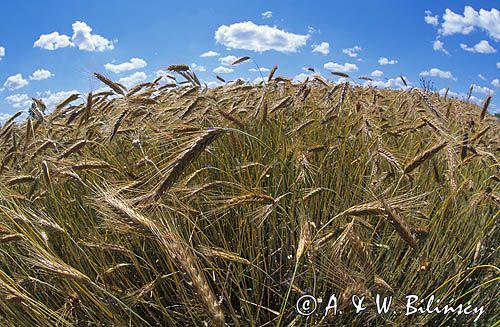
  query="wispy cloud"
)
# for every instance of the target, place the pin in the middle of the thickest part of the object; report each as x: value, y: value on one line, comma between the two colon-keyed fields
x: 352, y: 52
x: 267, y: 14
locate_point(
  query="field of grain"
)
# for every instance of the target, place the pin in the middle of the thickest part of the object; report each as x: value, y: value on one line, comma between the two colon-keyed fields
x: 175, y: 204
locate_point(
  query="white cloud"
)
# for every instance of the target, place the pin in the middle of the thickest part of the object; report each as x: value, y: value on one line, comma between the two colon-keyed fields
x: 134, y: 63
x: 82, y: 38
x: 451, y: 94
x: 227, y: 60
x: 384, y: 61
x: 352, y: 52
x: 223, y: 70
x: 53, y: 99
x: 15, y: 82
x: 301, y: 77
x: 435, y: 72
x: 495, y: 82
x: 262, y: 69
x: 2, y: 53
x: 52, y: 41
x: 259, y: 38
x: 40, y: 74
x: 481, y: 77
x: 197, y: 68
x: 392, y: 83
x: 377, y: 73
x: 323, y: 48
x: 438, y: 45
x: 133, y: 79
x: 429, y: 19
x: 85, y: 40
x: 346, y: 67
x: 481, y: 47
x: 489, y: 21
x: 267, y: 14
x: 498, y: 64
x: 18, y: 100
x: 482, y: 89
x: 209, y: 54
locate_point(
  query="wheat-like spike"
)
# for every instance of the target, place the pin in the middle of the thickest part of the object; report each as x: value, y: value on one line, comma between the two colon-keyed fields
x: 117, y: 88
x: 423, y: 156
x: 231, y: 118
x: 188, y: 264
x: 49, y: 263
x: 399, y: 225
x: 389, y: 157
x: 271, y: 73
x: 117, y: 123
x: 429, y: 104
x: 183, y: 159
x: 21, y: 180
x: 74, y: 148
x: 223, y: 254
x: 485, y: 107
x: 284, y: 102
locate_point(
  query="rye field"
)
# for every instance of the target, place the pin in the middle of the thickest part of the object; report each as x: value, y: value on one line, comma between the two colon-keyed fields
x: 173, y: 204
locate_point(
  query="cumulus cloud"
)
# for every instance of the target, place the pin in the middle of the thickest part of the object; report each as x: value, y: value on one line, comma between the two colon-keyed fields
x: 82, y: 38
x: 40, y: 74
x: 52, y: 99
x: 18, y: 100
x: 384, y: 61
x: 262, y: 69
x: 392, y: 83
x: 377, y: 73
x: 223, y: 70
x: 209, y: 54
x: 323, y: 48
x: 227, y: 60
x: 438, y: 45
x: 352, y: 52
x: 259, y: 38
x: 495, y: 82
x: 482, y: 89
x: 267, y: 14
x: 197, y: 67
x: 53, y: 41
x: 2, y: 53
x: 346, y: 67
x: 481, y: 47
x: 15, y: 82
x: 451, y: 94
x: 488, y: 21
x: 429, y: 19
x: 435, y: 72
x: 133, y: 79
x: 134, y: 63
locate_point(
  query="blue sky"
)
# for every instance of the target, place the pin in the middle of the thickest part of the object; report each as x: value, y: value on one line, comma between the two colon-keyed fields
x: 49, y: 49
